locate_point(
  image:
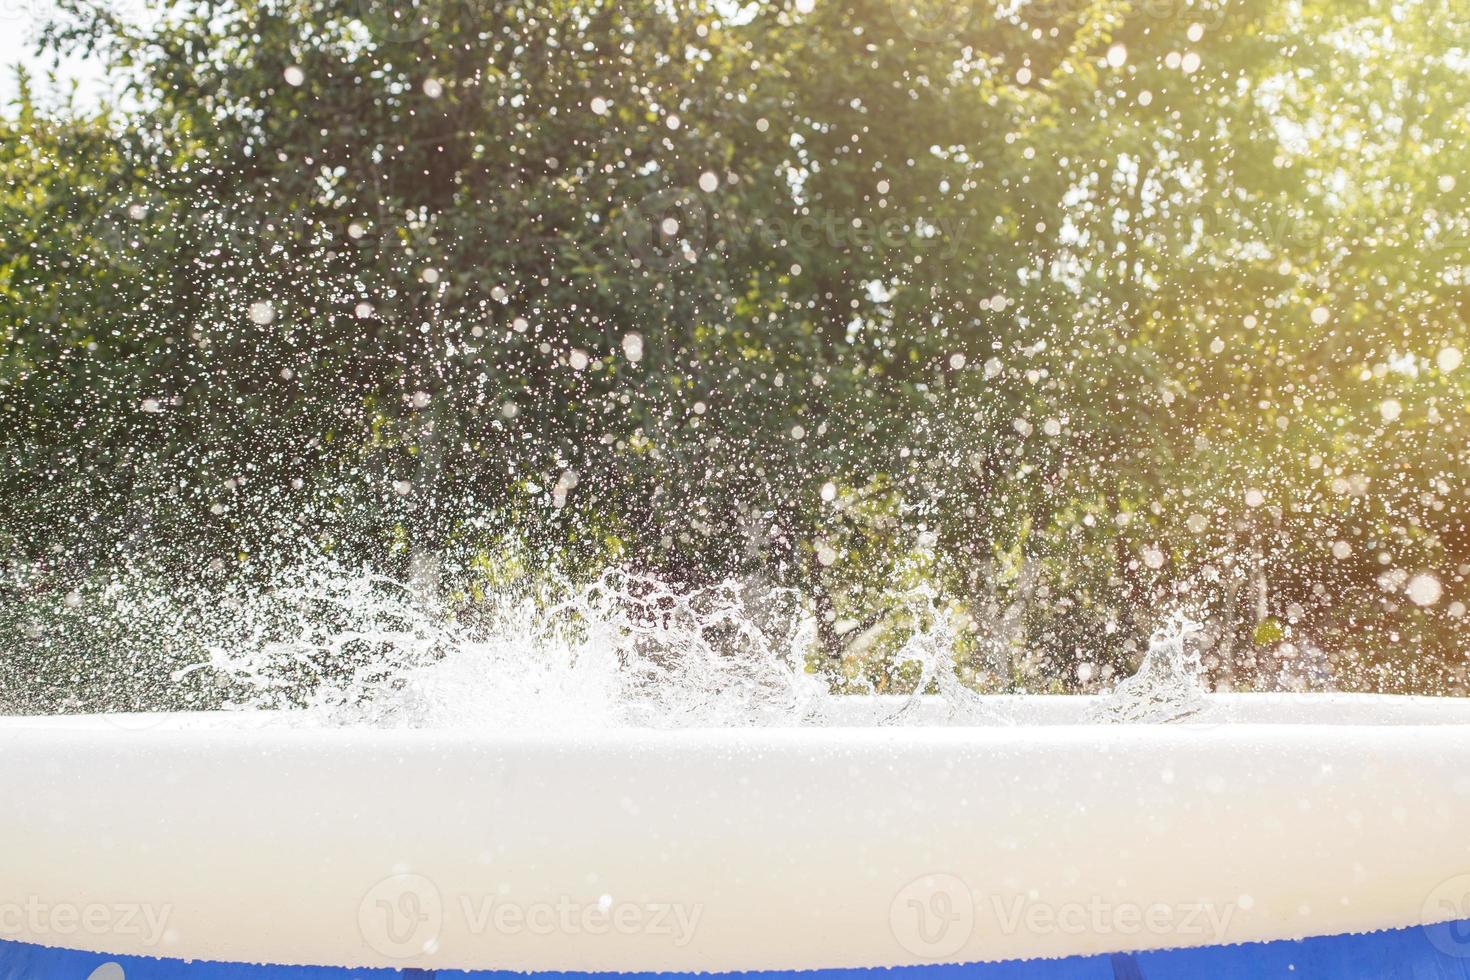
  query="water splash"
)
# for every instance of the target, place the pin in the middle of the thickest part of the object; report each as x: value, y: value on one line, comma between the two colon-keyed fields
x: 626, y: 650
x: 344, y: 646
x: 1168, y: 685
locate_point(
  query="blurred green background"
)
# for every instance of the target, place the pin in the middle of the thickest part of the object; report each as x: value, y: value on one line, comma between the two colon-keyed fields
x: 1070, y: 314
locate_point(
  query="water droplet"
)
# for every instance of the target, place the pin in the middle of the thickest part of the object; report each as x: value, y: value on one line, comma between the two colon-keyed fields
x: 633, y: 347
x: 1424, y: 589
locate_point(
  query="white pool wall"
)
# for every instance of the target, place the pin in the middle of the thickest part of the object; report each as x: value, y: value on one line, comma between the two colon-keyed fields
x: 795, y: 848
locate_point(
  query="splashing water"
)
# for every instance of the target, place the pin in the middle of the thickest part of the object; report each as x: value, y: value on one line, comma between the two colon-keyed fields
x: 342, y: 646
x: 1168, y: 685
x: 628, y: 650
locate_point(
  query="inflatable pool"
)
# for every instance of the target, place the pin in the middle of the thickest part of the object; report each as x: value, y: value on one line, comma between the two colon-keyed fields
x: 1308, y: 836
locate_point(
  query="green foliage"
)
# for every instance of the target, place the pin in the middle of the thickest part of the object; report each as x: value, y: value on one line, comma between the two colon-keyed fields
x: 1085, y: 310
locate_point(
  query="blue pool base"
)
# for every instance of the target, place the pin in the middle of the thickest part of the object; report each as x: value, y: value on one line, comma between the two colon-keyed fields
x: 1439, y: 952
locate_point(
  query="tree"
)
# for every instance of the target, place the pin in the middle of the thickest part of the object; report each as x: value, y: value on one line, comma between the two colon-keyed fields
x: 1057, y: 317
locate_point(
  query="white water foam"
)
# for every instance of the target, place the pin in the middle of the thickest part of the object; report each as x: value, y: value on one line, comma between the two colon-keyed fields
x: 624, y: 651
